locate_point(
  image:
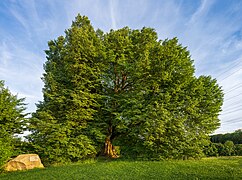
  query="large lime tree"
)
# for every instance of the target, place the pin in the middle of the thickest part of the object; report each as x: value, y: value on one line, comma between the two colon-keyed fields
x: 126, y: 88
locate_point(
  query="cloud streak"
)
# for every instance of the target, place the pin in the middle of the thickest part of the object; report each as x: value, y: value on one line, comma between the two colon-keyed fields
x: 201, y: 11
x: 112, y: 14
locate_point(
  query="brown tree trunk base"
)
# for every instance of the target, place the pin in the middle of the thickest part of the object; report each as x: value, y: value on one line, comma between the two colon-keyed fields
x: 109, y: 150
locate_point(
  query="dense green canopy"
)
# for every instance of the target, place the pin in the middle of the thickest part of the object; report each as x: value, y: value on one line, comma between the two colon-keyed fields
x: 127, y: 88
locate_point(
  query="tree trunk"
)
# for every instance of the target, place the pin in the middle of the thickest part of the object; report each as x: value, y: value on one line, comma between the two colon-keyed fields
x: 109, y: 150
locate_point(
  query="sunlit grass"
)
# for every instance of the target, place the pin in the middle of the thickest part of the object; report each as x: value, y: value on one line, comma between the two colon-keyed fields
x: 207, y: 168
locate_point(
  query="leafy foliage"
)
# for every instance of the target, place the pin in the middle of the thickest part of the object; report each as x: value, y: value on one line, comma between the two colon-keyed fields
x: 238, y: 149
x: 211, y: 150
x: 126, y: 88
x: 12, y: 118
x: 154, y: 104
x: 71, y: 76
x: 6, y: 149
x: 228, y: 148
x: 12, y: 121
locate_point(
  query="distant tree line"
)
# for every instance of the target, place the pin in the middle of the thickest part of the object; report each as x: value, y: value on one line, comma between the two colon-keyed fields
x: 236, y: 137
x: 229, y: 144
x: 226, y: 149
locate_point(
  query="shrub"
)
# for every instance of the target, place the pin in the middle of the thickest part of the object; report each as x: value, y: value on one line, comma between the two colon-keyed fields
x: 229, y: 148
x: 211, y: 150
x: 6, y: 151
x: 238, y: 149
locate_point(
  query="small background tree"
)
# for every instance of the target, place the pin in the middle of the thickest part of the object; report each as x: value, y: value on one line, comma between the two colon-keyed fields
x: 229, y: 148
x: 12, y: 122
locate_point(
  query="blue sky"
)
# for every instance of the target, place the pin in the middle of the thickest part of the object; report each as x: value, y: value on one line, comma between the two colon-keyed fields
x: 211, y: 29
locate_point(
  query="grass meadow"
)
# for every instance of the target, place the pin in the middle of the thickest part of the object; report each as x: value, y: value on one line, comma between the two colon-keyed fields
x: 207, y: 168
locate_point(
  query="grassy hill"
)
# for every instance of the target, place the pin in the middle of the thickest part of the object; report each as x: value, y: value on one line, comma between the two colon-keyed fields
x: 208, y: 168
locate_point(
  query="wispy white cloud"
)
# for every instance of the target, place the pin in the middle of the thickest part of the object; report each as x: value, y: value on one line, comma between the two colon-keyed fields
x: 201, y: 12
x: 112, y: 14
x: 20, y: 19
x: 21, y: 71
x: 5, y: 56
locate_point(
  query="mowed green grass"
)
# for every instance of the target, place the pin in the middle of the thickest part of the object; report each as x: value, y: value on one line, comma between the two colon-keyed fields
x: 208, y: 168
